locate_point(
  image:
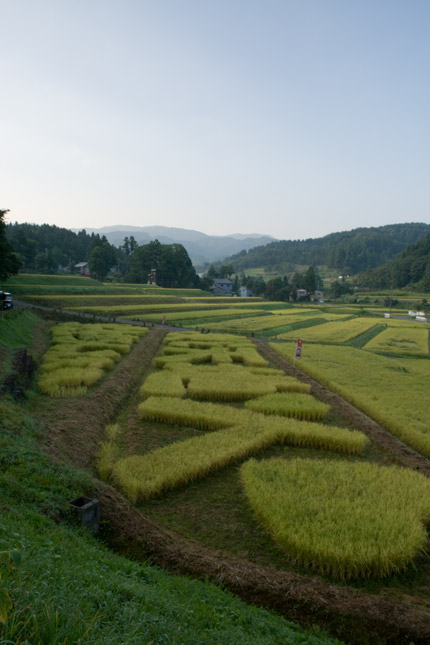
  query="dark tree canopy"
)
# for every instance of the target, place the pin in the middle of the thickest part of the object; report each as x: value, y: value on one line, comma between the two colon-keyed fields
x: 171, y: 262
x: 410, y: 268
x: 9, y: 263
x: 349, y: 252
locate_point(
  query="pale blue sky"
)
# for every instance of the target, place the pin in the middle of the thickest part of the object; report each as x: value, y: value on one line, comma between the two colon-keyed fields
x: 294, y: 118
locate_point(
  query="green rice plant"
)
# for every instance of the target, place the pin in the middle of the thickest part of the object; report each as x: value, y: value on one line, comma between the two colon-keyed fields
x: 344, y: 519
x: 163, y: 383
x: 144, y: 476
x: 109, y: 451
x: 400, y: 341
x: 297, y: 405
x: 339, y: 331
x: 393, y: 392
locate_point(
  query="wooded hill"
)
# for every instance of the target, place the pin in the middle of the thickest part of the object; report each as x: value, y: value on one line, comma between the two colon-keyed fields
x: 410, y: 268
x: 348, y: 252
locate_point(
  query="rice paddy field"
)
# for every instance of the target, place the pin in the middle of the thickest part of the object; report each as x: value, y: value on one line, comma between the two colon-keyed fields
x: 218, y: 445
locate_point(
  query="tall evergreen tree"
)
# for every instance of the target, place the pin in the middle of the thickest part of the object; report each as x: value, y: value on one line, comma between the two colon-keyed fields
x: 9, y: 263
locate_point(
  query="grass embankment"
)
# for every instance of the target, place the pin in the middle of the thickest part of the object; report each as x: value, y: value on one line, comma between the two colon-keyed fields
x: 70, y: 588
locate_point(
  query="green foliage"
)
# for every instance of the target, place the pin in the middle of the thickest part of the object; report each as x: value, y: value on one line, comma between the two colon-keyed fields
x: 344, y: 519
x: 9, y: 263
x: 16, y: 328
x: 348, y: 252
x: 411, y: 268
x: 171, y: 262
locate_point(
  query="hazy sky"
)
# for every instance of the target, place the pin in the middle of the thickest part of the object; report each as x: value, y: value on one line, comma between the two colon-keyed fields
x: 294, y: 118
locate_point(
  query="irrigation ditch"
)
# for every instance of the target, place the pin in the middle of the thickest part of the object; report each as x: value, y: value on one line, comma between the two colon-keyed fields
x: 73, y: 434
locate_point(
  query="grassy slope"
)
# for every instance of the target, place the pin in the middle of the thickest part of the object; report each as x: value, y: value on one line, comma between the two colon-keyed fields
x: 70, y: 588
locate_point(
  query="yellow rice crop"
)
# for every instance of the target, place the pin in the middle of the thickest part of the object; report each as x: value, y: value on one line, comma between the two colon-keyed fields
x: 299, y: 406
x: 257, y: 323
x: 340, y: 331
x: 401, y: 341
x: 142, y: 477
x: 228, y: 385
x: 109, y: 451
x: 80, y: 353
x: 344, y: 519
x: 165, y: 383
x: 393, y: 392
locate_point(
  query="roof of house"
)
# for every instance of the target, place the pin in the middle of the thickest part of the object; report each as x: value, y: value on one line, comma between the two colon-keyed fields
x: 81, y: 264
x: 222, y: 281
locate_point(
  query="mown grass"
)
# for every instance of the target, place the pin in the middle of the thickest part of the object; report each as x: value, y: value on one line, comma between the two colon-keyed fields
x: 16, y: 328
x: 70, y: 588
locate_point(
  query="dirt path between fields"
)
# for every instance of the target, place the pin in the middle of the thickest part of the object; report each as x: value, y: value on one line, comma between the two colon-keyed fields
x: 401, y: 453
x: 356, y: 617
x: 78, y: 426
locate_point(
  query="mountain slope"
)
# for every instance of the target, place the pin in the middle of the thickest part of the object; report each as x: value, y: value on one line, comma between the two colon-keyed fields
x: 200, y: 247
x: 411, y: 267
x: 349, y: 251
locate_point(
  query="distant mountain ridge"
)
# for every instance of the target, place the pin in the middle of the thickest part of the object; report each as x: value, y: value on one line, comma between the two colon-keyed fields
x: 349, y: 252
x: 201, y: 248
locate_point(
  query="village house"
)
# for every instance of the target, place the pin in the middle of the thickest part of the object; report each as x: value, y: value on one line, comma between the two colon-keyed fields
x: 222, y: 287
x: 83, y: 268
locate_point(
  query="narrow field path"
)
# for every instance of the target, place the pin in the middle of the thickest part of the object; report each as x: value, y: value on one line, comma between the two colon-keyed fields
x: 401, y: 453
x: 75, y: 427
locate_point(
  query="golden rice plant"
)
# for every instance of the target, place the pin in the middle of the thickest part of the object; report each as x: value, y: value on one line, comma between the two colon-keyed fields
x: 343, y: 519
x: 297, y: 405
x: 400, y: 341
x: 109, y: 451
x: 144, y: 476
x: 291, y: 384
x: 249, y: 356
x: 207, y: 416
x: 165, y: 383
x: 70, y: 380
x: 228, y: 385
x: 339, y: 331
x: 393, y: 392
x: 80, y: 353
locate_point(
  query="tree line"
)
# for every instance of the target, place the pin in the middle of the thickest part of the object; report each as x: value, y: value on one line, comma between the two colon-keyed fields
x: 350, y: 252
x: 411, y: 268
x: 47, y: 249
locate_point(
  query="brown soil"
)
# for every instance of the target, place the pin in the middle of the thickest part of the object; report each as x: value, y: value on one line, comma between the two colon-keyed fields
x: 356, y: 617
